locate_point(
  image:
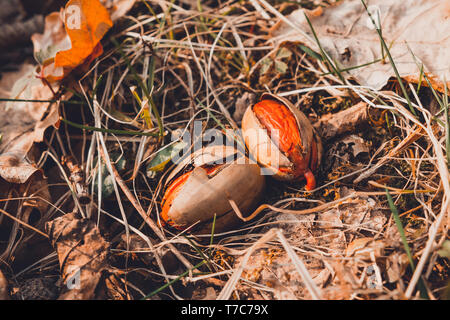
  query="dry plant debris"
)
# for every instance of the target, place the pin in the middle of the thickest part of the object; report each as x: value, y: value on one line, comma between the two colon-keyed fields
x: 415, y: 31
x: 89, y: 131
x: 83, y: 256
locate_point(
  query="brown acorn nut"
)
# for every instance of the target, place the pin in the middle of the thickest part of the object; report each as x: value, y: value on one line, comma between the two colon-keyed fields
x: 298, y: 150
x: 206, y: 188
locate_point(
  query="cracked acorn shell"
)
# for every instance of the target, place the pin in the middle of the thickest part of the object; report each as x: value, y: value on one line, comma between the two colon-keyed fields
x: 299, y: 150
x: 200, y: 186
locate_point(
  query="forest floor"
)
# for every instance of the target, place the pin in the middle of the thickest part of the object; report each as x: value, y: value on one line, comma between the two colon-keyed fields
x: 375, y: 227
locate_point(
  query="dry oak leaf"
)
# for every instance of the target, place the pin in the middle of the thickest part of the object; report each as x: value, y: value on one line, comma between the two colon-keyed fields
x: 71, y: 38
x: 23, y: 122
x: 86, y: 22
x: 83, y: 256
x: 416, y: 32
x: 48, y: 44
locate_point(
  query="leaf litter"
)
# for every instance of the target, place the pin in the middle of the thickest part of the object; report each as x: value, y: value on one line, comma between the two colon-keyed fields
x: 415, y: 31
x: 338, y: 242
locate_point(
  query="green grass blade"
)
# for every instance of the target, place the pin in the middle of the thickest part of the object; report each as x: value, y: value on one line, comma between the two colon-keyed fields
x: 211, y: 240
x: 398, y: 222
x: 324, y: 54
x: 142, y: 85
x: 400, y: 228
x: 354, y: 67
x: 125, y: 132
x: 202, y: 255
x: 36, y: 100
x: 174, y: 280
x: 391, y: 60
x: 447, y: 125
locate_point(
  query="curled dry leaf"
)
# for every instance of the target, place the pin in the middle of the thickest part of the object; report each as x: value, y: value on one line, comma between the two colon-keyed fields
x: 86, y: 22
x: 47, y: 44
x: 337, y: 124
x: 71, y: 38
x: 357, y: 144
x: 83, y: 256
x: 348, y: 35
x: 21, y: 125
x: 202, y: 186
x: 23, y: 122
x: 282, y: 139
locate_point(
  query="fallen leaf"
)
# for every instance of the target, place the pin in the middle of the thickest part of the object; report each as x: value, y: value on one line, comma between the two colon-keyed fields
x: 163, y: 157
x: 357, y: 144
x: 347, y: 34
x: 118, y: 8
x: 333, y: 125
x: 38, y: 288
x: 71, y: 38
x: 23, y: 122
x: 364, y: 247
x: 47, y: 44
x: 86, y: 22
x: 83, y: 256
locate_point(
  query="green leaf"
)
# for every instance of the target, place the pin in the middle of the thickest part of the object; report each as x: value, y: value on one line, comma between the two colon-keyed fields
x: 310, y: 52
x: 265, y: 65
x: 281, y: 67
x: 445, y: 250
x: 122, y: 116
x: 107, y: 179
x: 163, y: 157
x: 283, y: 53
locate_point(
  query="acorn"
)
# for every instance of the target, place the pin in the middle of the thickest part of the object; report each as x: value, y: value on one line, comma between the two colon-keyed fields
x: 202, y: 186
x: 282, y: 139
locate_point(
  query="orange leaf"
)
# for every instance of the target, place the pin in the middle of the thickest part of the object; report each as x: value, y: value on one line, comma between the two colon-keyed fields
x: 86, y: 22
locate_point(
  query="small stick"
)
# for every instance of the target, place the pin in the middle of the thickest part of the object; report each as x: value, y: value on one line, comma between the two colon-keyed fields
x: 300, y: 266
x: 78, y: 179
x: 318, y: 208
x: 23, y: 223
x: 330, y: 126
